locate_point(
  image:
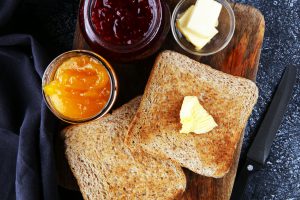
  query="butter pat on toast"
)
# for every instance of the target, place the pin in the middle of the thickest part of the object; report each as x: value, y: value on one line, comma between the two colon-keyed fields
x: 156, y: 125
x: 105, y: 168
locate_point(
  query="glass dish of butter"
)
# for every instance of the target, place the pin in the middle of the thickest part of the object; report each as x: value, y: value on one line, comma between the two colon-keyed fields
x: 203, y: 27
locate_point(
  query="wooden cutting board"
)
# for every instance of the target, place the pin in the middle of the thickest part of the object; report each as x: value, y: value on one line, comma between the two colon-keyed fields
x: 240, y: 58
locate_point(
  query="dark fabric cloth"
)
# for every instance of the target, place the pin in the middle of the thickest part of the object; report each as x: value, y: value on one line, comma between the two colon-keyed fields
x: 7, y: 8
x: 8, y: 156
x: 27, y: 168
x: 26, y: 126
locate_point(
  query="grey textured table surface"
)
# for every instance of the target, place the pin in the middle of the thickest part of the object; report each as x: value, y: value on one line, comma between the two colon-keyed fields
x: 280, y: 177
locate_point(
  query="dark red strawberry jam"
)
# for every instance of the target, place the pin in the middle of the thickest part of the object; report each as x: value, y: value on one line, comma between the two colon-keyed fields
x: 124, y: 30
x: 122, y: 21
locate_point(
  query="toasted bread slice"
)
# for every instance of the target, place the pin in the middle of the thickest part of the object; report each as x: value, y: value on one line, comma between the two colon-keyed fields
x: 156, y: 125
x: 106, y: 169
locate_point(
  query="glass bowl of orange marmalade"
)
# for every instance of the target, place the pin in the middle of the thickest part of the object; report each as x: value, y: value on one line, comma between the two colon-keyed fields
x: 79, y: 86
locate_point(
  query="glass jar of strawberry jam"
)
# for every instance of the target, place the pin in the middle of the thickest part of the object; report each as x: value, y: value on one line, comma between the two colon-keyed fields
x: 124, y: 30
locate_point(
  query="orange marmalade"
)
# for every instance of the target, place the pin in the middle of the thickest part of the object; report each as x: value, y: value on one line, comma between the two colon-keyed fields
x: 80, y: 88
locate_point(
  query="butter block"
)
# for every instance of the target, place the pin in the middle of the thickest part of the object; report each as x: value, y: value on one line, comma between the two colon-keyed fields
x: 194, y: 118
x: 185, y: 17
x: 198, y: 23
x: 206, y: 14
x: 197, y: 40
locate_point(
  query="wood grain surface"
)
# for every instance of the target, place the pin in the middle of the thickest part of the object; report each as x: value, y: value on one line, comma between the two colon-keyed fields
x: 240, y: 58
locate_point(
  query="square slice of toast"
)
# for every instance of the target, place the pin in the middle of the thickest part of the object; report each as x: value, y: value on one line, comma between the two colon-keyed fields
x: 156, y: 125
x: 105, y: 168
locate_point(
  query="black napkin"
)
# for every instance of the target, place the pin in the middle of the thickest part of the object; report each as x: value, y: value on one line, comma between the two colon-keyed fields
x: 26, y: 126
x: 27, y: 169
x: 7, y: 8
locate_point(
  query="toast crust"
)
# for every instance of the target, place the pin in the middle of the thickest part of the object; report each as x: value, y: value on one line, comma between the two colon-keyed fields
x: 156, y: 125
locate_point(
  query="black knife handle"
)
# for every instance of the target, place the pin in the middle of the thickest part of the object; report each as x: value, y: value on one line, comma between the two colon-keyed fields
x: 242, y: 179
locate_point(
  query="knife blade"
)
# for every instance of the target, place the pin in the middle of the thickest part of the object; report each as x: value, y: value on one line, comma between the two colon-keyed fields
x: 260, y: 147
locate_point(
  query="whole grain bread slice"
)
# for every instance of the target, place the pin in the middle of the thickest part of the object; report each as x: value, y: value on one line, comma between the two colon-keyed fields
x: 105, y: 168
x: 156, y: 125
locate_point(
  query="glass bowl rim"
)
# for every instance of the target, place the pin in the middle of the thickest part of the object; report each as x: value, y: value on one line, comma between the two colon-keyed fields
x: 113, y: 80
x: 229, y: 10
x: 151, y: 34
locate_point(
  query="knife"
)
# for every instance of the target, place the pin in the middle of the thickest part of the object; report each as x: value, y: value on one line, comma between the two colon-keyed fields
x: 260, y: 147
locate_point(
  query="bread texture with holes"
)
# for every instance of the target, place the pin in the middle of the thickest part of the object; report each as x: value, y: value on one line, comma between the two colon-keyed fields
x: 105, y: 168
x: 156, y: 125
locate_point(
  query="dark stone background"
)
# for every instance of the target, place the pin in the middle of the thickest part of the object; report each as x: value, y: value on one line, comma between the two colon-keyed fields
x: 280, y: 177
